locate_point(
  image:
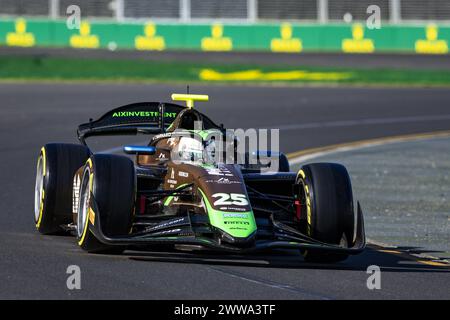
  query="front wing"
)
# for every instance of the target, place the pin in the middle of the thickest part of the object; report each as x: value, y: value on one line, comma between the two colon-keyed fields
x: 286, y: 237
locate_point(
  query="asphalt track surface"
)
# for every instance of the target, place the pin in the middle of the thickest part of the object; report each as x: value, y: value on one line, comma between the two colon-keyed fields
x: 34, y: 266
x: 313, y: 59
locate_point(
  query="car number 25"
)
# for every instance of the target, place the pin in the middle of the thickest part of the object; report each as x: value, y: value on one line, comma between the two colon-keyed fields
x: 226, y: 199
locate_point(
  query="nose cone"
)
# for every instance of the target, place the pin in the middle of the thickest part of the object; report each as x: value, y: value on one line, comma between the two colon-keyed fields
x: 227, y: 204
x: 233, y: 226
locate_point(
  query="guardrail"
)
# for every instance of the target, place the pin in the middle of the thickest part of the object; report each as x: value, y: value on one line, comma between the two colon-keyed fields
x: 283, y: 37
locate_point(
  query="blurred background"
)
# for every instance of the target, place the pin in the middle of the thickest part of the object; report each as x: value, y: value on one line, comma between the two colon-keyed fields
x: 319, y: 11
x: 351, y: 26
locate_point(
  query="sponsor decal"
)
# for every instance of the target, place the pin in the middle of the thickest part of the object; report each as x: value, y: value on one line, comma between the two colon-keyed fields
x: 237, y: 228
x: 431, y: 44
x: 143, y: 114
x: 287, y: 43
x: 20, y: 38
x: 162, y: 156
x: 232, y: 209
x: 217, y: 42
x: 358, y: 43
x: 224, y: 181
x: 149, y: 41
x: 235, y: 215
x: 172, y: 180
x: 237, y: 222
x: 85, y: 39
x: 165, y: 224
x: 170, y: 231
x: 183, y: 174
x: 219, y: 172
x: 162, y: 136
x: 227, y: 181
x: 76, y: 193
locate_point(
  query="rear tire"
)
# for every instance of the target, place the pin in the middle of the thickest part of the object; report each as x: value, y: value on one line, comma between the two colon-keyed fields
x: 110, y: 181
x: 57, y: 164
x: 328, y: 194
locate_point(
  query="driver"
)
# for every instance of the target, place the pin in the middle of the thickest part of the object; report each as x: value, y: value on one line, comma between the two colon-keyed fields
x: 188, y: 150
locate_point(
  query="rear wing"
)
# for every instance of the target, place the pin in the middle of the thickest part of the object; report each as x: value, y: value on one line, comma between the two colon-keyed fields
x: 142, y: 117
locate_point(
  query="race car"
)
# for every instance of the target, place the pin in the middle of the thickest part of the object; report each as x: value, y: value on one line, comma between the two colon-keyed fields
x: 178, y: 191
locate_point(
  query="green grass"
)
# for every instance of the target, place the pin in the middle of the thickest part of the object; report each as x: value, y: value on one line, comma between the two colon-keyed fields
x: 69, y: 69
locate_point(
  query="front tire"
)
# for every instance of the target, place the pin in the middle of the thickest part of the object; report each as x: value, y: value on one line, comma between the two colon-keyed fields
x: 110, y: 181
x: 327, y: 194
x: 56, y: 166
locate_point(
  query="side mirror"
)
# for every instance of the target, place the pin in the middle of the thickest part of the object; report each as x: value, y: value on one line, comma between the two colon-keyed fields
x: 139, y: 150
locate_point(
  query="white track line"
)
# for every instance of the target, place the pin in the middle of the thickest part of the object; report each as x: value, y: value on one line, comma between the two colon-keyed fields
x: 361, y: 122
x: 318, y: 152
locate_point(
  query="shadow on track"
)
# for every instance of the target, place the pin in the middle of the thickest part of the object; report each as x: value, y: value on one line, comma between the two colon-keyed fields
x: 288, y: 259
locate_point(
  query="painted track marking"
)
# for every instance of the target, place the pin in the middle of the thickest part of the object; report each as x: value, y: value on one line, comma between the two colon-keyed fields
x: 361, y: 122
x: 307, y: 154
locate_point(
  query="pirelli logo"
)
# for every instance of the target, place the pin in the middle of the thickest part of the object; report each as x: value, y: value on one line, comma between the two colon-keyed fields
x: 237, y: 222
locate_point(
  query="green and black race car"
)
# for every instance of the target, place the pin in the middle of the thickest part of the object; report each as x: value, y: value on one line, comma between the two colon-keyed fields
x: 178, y: 191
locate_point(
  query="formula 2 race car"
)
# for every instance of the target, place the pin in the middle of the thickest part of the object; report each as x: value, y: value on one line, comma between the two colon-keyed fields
x: 176, y: 191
